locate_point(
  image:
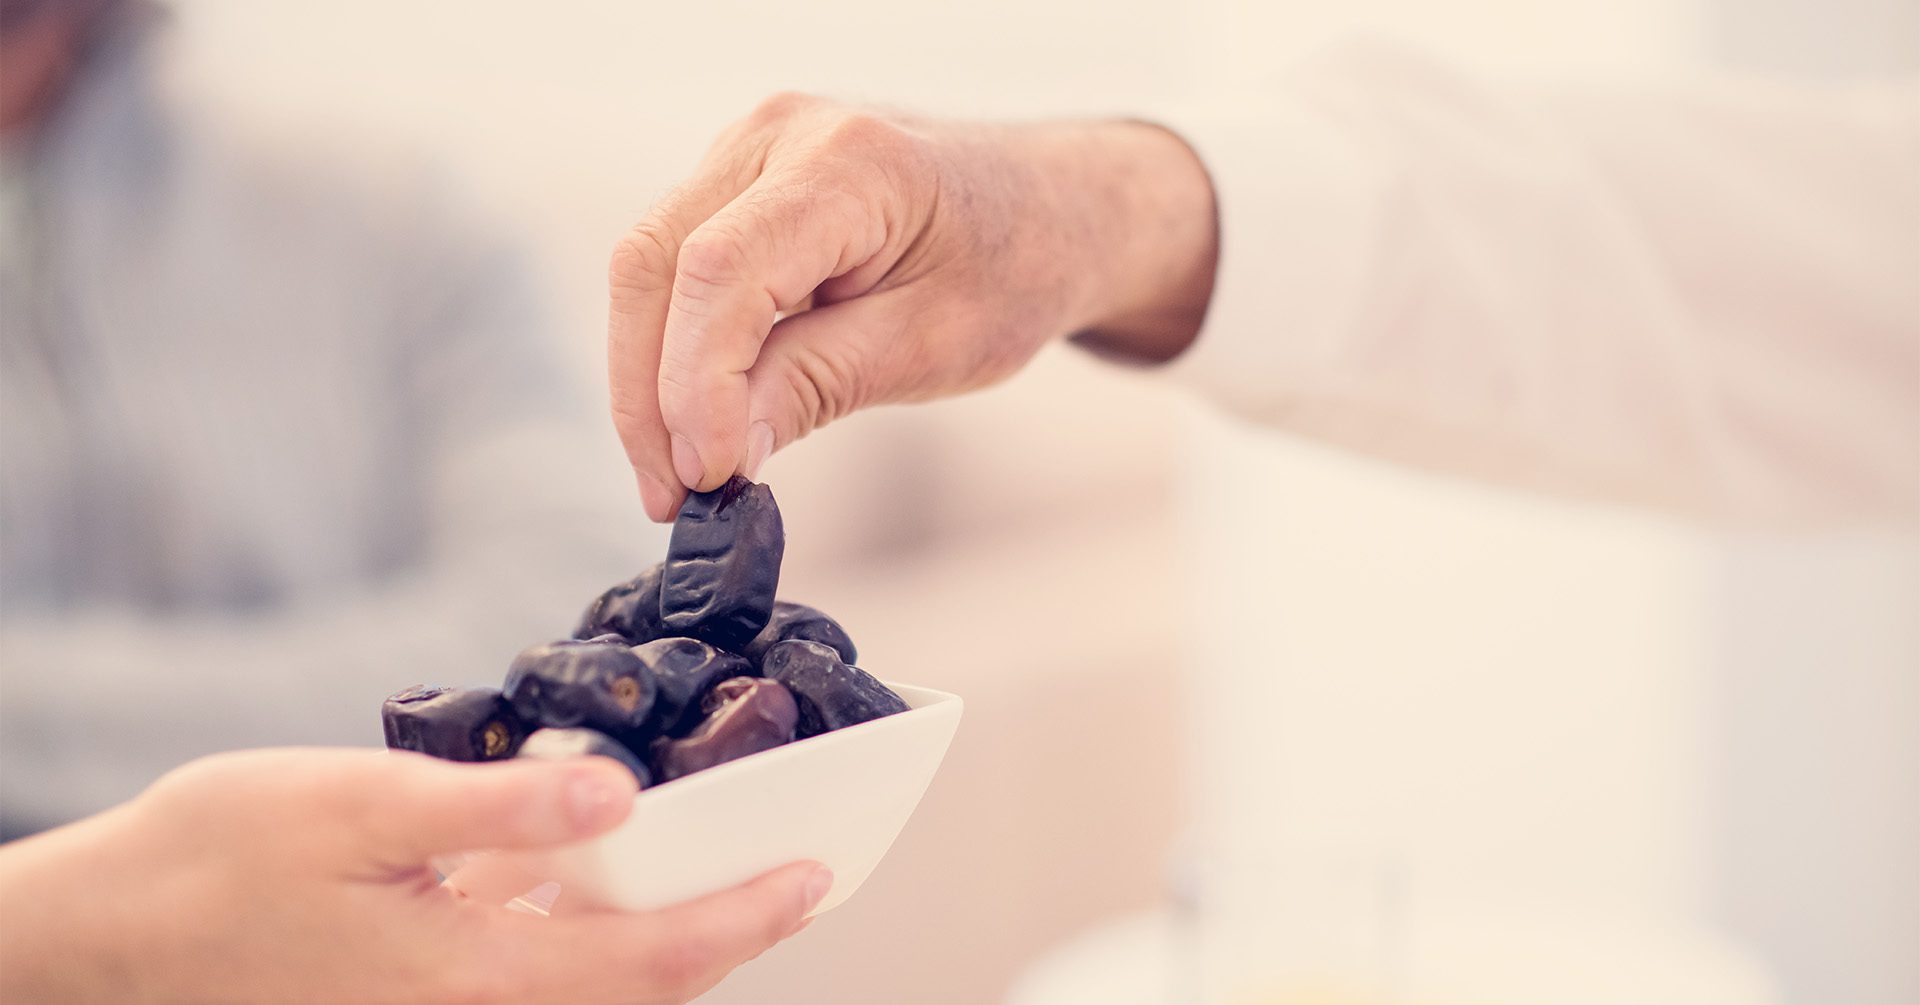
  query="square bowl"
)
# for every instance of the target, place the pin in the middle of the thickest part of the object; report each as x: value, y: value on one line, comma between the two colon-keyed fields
x: 839, y: 799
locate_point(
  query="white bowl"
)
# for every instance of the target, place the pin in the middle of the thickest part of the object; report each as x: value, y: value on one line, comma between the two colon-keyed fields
x: 839, y: 799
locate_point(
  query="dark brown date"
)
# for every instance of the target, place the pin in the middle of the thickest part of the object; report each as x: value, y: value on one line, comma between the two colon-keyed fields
x: 745, y: 715
x: 602, y: 685
x: 831, y: 694
x: 630, y: 610
x: 684, y: 670
x: 457, y: 723
x: 798, y: 621
x: 663, y: 666
x: 723, y: 564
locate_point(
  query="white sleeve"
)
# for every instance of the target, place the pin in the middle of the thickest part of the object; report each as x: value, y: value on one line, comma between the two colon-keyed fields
x: 1702, y: 297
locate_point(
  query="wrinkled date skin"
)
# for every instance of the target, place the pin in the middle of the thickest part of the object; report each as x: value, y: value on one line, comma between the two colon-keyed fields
x: 630, y: 610
x: 561, y: 685
x: 798, y: 621
x: 831, y: 694
x: 745, y: 715
x: 690, y: 664
x: 553, y: 744
x: 723, y: 564
x: 684, y: 670
x: 457, y: 723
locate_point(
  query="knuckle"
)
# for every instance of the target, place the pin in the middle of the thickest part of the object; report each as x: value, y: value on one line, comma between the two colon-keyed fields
x: 870, y: 152
x: 780, y: 106
x: 633, y: 417
x: 235, y: 791
x: 865, y: 133
x: 825, y: 386
x: 201, y: 779
x: 643, y: 259
x: 687, y: 404
x: 678, y: 386
x: 808, y: 402
x: 713, y: 257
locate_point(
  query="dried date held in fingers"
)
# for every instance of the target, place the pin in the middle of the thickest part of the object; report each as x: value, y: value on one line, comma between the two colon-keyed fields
x: 723, y: 564
x: 553, y: 744
x: 745, y: 715
x: 602, y: 685
x: 630, y: 610
x: 831, y: 694
x: 457, y: 723
x: 684, y: 670
x: 798, y: 621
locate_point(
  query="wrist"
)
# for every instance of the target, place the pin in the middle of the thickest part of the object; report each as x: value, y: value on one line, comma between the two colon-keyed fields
x: 1152, y: 230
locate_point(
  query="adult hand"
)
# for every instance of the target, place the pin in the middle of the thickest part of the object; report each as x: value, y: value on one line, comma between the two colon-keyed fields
x: 302, y: 875
x: 825, y: 259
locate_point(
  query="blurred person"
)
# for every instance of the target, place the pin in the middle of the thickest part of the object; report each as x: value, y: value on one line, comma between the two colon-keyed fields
x: 1704, y: 297
x: 280, y: 431
x: 277, y: 439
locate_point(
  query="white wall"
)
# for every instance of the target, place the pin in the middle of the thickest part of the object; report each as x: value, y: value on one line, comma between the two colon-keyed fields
x: 1497, y: 705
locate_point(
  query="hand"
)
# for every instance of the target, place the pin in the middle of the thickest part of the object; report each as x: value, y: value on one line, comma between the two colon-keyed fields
x: 825, y: 259
x: 301, y: 875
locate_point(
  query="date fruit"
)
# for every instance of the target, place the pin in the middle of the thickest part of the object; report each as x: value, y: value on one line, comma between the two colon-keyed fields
x: 684, y: 670
x: 630, y: 610
x: 691, y: 663
x: 798, y: 621
x: 745, y: 715
x: 561, y: 685
x: 723, y: 564
x: 553, y: 744
x: 457, y: 723
x: 831, y: 694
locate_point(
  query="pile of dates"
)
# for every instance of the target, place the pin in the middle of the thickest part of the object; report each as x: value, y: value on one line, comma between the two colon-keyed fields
x: 690, y: 664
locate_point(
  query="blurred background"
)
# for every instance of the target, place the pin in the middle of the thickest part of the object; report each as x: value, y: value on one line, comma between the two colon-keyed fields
x: 1249, y: 720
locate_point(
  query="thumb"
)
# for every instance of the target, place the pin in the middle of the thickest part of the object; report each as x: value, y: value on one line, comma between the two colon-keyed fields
x: 823, y: 364
x: 422, y: 806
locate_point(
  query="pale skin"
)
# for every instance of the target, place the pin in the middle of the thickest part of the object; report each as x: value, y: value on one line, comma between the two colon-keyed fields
x: 303, y: 875
x: 826, y: 258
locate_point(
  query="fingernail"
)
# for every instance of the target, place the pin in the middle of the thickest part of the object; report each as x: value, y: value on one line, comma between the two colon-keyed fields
x: 686, y: 463
x: 759, y: 448
x: 818, y: 885
x: 655, y: 497
x: 592, y: 798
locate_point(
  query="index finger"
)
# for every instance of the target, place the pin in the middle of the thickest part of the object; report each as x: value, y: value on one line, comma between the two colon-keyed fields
x: 640, y: 284
x: 796, y: 227
x: 671, y: 955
